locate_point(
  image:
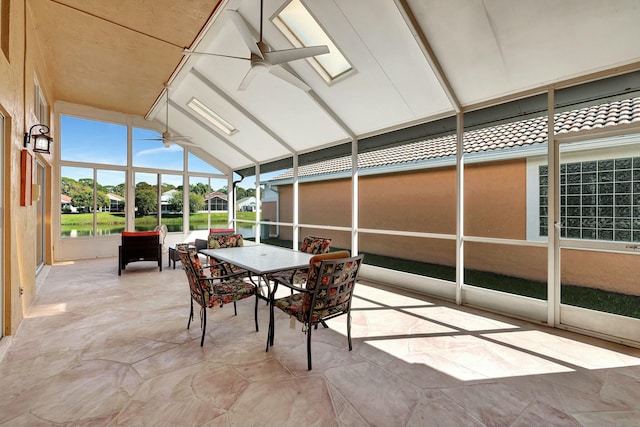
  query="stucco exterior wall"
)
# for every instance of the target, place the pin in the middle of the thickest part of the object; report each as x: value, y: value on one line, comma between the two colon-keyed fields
x: 425, y: 201
x: 17, y: 106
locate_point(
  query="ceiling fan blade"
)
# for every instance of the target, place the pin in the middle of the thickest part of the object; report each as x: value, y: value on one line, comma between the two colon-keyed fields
x: 180, y: 138
x: 287, y: 55
x: 191, y: 52
x: 247, y: 79
x: 167, y: 143
x: 289, y: 78
x: 245, y: 33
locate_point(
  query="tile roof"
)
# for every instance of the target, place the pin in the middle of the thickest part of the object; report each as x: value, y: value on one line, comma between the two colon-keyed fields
x: 521, y: 133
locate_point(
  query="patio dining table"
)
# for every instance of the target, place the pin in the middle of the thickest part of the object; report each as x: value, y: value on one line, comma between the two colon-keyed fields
x: 261, y: 260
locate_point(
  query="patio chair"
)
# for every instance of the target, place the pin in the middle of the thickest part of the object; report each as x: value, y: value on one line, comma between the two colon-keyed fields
x: 210, y: 292
x: 224, y: 240
x: 311, y: 245
x: 139, y: 246
x: 329, y: 288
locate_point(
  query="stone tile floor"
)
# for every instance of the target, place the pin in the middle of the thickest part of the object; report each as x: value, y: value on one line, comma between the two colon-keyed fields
x: 100, y: 350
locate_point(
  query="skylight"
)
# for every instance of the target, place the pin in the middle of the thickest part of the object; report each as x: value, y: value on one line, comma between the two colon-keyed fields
x: 208, y: 114
x: 302, y: 30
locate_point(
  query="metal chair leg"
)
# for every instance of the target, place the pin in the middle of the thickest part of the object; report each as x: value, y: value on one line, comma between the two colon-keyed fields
x: 255, y: 310
x: 309, y: 347
x: 349, y: 330
x: 203, y: 323
x: 190, y: 315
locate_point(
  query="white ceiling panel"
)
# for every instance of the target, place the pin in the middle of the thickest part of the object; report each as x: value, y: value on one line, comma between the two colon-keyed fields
x: 391, y: 45
x: 493, y: 48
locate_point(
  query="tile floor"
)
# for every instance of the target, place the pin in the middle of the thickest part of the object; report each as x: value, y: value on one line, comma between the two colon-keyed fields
x: 101, y: 350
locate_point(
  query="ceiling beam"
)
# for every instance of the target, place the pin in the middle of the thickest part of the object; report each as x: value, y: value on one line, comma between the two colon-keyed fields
x: 209, y: 129
x: 428, y: 53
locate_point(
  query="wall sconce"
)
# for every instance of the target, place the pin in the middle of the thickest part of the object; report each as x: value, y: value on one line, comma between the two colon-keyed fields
x: 41, y: 140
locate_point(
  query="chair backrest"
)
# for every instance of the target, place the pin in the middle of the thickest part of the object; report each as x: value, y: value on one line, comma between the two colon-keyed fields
x: 221, y: 241
x: 140, y: 245
x: 332, y: 277
x: 315, y: 245
x: 200, y: 291
x: 162, y: 229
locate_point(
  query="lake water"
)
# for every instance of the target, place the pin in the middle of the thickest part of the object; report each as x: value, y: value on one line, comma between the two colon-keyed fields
x: 72, y: 231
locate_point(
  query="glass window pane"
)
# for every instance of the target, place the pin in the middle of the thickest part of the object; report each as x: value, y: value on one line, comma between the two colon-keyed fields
x: 91, y: 141
x: 76, y: 202
x: 300, y: 27
x: 146, y: 199
x: 152, y: 153
x: 110, y: 195
x: 196, y: 164
x: 171, y: 202
x: 599, y: 206
x: 200, y: 191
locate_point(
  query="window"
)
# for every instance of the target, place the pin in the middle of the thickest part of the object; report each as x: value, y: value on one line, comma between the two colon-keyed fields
x: 196, y: 164
x: 149, y: 151
x: 302, y: 30
x: 599, y: 200
x: 40, y: 107
x: 210, y: 116
x: 91, y: 141
x: 4, y: 27
x: 95, y: 187
x: 171, y: 202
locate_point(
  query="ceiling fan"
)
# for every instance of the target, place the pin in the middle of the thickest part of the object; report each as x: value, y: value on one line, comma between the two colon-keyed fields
x: 263, y: 59
x: 167, y: 137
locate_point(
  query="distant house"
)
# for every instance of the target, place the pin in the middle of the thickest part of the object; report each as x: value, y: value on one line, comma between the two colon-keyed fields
x: 116, y: 202
x: 66, y: 206
x: 246, y: 204
x: 216, y: 201
x: 165, y: 201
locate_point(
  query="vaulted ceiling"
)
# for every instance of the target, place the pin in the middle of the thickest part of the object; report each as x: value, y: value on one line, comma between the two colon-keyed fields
x: 414, y: 61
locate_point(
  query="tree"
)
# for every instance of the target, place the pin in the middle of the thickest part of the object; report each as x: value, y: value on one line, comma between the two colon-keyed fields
x: 176, y: 201
x: 240, y: 193
x: 102, y: 201
x: 146, y: 200
x: 118, y: 189
x: 82, y: 197
x: 199, y: 188
x: 196, y: 201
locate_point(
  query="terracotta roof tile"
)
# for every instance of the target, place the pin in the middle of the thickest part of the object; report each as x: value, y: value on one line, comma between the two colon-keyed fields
x: 526, y: 132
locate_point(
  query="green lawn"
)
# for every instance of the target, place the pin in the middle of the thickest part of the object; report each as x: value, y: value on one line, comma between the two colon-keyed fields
x: 106, y: 218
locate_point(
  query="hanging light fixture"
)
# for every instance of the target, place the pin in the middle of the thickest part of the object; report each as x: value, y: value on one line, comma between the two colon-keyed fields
x: 41, y: 139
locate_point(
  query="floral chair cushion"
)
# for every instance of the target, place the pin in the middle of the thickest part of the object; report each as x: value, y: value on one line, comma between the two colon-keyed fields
x: 220, y: 241
x: 332, y: 286
x: 311, y: 245
x: 315, y: 245
x: 212, y: 293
